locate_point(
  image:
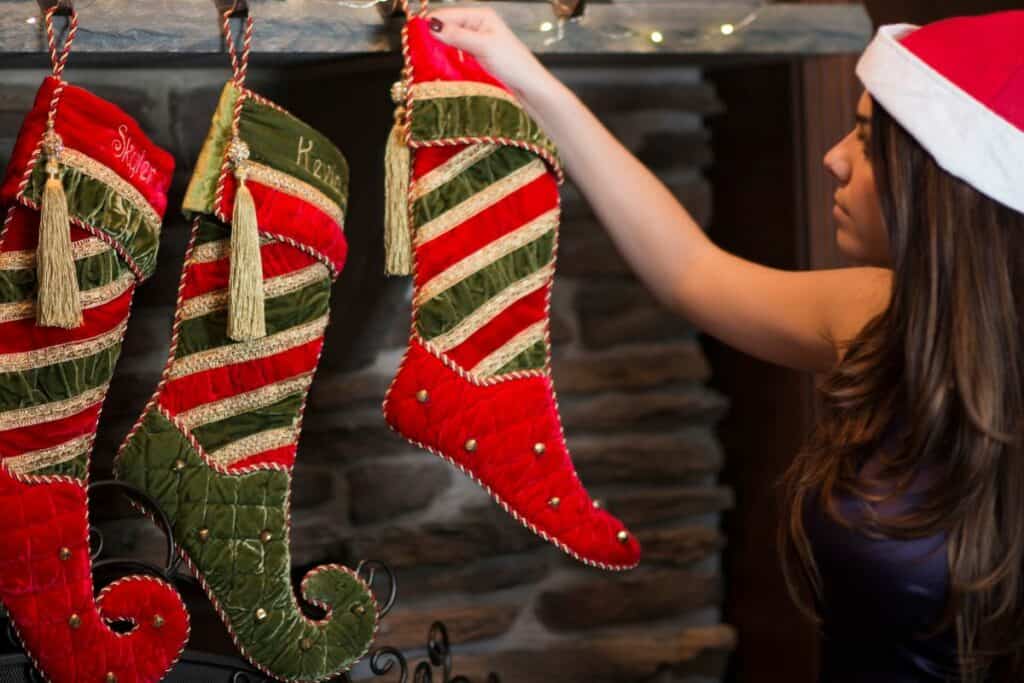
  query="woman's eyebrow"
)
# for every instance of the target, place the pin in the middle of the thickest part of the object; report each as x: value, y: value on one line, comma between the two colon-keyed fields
x: 863, y: 120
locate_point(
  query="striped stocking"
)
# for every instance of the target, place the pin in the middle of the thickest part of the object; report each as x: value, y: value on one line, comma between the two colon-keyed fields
x: 217, y: 442
x: 104, y: 231
x: 475, y: 385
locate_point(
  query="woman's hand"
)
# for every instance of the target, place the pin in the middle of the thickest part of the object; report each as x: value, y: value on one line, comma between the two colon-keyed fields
x: 485, y: 35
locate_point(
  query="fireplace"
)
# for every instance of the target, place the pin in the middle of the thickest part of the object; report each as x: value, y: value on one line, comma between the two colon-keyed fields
x: 641, y: 401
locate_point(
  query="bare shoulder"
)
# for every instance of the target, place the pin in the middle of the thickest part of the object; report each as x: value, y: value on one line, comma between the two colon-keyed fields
x: 856, y: 296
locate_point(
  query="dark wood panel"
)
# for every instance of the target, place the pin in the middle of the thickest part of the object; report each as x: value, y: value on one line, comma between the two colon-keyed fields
x: 924, y: 11
x: 755, y: 177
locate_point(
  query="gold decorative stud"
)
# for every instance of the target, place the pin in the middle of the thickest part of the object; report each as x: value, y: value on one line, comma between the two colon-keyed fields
x: 471, y: 445
x: 261, y: 615
x: 158, y: 621
x: 204, y: 534
x: 539, y: 448
x: 179, y: 465
x: 64, y: 554
x: 422, y: 396
x: 53, y: 145
x: 74, y: 621
x: 111, y: 678
x: 306, y: 644
x: 266, y: 536
x: 238, y: 152
x: 555, y: 502
x: 623, y: 536
x: 398, y: 92
x: 358, y: 610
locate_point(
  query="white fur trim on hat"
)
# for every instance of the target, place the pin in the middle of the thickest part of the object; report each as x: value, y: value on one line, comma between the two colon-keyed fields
x: 967, y: 139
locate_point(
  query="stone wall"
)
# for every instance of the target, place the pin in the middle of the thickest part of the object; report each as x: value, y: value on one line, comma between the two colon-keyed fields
x: 630, y: 376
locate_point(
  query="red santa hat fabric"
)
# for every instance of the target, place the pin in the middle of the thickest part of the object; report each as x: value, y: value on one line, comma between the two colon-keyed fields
x: 958, y: 87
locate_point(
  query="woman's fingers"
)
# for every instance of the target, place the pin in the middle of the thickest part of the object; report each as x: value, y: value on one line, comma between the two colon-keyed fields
x: 472, y: 40
x: 483, y: 34
x: 471, y: 18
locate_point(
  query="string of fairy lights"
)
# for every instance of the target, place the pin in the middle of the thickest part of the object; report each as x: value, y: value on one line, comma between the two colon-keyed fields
x: 554, y: 29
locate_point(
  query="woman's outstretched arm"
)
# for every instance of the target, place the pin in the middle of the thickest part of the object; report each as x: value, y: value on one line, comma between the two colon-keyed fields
x: 789, y: 318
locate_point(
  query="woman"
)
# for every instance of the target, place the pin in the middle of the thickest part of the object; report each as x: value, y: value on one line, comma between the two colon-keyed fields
x: 904, y: 524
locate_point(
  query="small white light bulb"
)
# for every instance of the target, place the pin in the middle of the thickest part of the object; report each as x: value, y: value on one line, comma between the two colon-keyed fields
x: 656, y: 37
x: 546, y: 26
x: 728, y: 29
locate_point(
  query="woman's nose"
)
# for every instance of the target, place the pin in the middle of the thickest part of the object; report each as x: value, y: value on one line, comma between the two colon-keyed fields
x: 837, y: 165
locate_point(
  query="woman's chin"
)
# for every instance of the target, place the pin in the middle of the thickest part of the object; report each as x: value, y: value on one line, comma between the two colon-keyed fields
x: 849, y: 246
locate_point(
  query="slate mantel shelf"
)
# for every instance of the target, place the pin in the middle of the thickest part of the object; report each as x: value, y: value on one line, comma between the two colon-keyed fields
x: 318, y: 30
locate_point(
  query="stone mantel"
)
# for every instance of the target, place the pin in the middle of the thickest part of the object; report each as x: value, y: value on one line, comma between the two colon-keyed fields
x: 316, y: 30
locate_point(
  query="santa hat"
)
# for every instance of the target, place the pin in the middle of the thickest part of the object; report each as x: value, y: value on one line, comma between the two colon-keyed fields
x: 958, y: 87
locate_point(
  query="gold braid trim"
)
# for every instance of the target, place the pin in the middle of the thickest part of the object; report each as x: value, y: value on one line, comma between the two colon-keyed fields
x: 510, y: 349
x: 483, y: 257
x: 492, y: 307
x: 48, y: 412
x: 51, y: 355
x: 208, y: 252
x: 450, y: 169
x: 26, y: 463
x: 432, y: 90
x: 231, y: 354
x: 275, y: 286
x: 91, y: 298
x: 72, y: 158
x: 251, y: 445
x: 244, y: 402
x: 490, y: 196
x: 292, y: 186
x: 80, y: 249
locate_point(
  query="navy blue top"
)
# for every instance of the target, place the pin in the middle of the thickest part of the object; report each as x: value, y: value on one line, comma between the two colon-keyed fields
x: 880, y: 597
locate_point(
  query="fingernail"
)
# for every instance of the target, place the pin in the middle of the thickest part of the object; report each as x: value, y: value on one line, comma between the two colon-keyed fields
x: 436, y: 24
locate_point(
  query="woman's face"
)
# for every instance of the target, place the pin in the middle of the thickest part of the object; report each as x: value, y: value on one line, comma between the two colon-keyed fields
x: 860, y: 228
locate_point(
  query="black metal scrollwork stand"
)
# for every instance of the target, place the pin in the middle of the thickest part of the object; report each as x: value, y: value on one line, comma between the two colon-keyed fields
x: 196, y: 666
x: 383, y: 660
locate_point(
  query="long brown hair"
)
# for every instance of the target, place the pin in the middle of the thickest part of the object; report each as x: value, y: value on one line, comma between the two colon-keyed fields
x: 947, y: 357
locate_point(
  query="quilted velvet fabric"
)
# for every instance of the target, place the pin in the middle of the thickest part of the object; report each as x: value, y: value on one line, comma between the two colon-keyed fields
x: 52, y: 385
x: 218, y: 440
x: 475, y: 384
x: 46, y: 587
x: 244, y: 561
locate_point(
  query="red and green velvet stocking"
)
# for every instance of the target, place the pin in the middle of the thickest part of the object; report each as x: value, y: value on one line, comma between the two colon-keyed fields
x: 483, y: 211
x: 97, y: 189
x: 217, y: 442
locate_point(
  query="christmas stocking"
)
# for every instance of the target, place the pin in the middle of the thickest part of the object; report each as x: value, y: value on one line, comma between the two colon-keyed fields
x: 84, y: 197
x: 216, y: 444
x: 479, y: 201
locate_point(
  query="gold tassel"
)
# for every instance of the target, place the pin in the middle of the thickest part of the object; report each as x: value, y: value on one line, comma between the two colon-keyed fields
x: 246, y: 319
x: 58, y: 303
x: 397, y: 239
